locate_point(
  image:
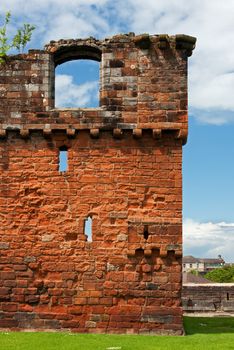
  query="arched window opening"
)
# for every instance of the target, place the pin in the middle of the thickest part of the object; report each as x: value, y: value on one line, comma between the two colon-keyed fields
x: 77, y: 84
x: 88, y: 228
x: 63, y: 159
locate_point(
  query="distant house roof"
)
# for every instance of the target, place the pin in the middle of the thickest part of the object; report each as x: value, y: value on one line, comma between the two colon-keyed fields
x: 189, y: 259
x: 212, y: 261
x: 190, y: 278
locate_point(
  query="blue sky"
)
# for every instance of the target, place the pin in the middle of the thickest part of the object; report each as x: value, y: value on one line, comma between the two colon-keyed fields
x: 208, y: 169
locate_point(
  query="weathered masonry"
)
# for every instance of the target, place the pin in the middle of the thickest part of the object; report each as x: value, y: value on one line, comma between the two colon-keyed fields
x: 123, y: 174
x: 208, y: 298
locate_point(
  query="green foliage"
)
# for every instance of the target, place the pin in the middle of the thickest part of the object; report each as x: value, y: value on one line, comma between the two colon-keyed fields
x: 208, y: 325
x: 4, y: 46
x: 194, y: 272
x: 19, y: 41
x: 221, y: 275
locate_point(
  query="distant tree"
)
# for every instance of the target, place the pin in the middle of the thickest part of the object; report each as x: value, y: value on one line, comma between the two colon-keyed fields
x: 19, y: 41
x: 194, y: 272
x: 221, y: 275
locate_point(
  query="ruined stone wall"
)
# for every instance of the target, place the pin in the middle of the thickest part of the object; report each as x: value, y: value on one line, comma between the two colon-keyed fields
x: 25, y: 85
x: 124, y: 171
x: 208, y: 298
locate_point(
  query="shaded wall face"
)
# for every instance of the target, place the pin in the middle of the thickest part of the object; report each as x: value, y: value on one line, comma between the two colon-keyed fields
x: 26, y: 85
x: 208, y: 298
x: 120, y: 280
x: 147, y: 86
x: 139, y: 87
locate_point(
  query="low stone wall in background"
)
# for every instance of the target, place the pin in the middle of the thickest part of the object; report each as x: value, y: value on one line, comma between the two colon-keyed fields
x: 212, y: 297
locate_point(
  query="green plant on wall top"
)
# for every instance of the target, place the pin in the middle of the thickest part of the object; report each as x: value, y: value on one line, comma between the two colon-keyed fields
x: 19, y: 41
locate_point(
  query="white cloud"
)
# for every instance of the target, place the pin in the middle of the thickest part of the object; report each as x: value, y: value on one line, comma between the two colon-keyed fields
x: 78, y: 27
x: 58, y: 19
x: 216, y: 116
x: 209, y: 239
x: 68, y: 94
x: 216, y: 93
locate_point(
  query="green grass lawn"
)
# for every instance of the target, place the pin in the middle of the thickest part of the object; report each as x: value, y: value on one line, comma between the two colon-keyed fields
x: 202, y: 333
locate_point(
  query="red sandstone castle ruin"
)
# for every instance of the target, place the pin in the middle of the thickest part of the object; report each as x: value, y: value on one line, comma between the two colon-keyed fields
x: 124, y: 172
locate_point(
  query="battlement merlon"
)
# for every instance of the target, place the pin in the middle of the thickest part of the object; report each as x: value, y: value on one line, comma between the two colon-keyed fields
x: 143, y: 85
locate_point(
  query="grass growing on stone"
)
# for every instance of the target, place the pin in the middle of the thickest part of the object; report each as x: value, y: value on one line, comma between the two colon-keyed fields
x: 202, y: 333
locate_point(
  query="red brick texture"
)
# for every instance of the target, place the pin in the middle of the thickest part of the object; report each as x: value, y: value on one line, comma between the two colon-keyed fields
x: 124, y: 171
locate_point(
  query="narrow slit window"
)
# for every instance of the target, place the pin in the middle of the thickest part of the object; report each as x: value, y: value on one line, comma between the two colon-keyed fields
x: 63, y: 159
x: 227, y: 296
x: 88, y: 229
x: 146, y: 232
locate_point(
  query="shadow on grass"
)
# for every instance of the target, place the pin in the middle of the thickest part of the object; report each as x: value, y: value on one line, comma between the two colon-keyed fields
x: 208, y: 325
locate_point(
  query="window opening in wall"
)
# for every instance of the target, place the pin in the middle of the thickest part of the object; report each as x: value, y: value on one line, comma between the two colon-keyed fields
x: 227, y: 296
x: 77, y: 84
x: 88, y: 229
x: 189, y: 302
x: 146, y: 232
x: 63, y: 159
